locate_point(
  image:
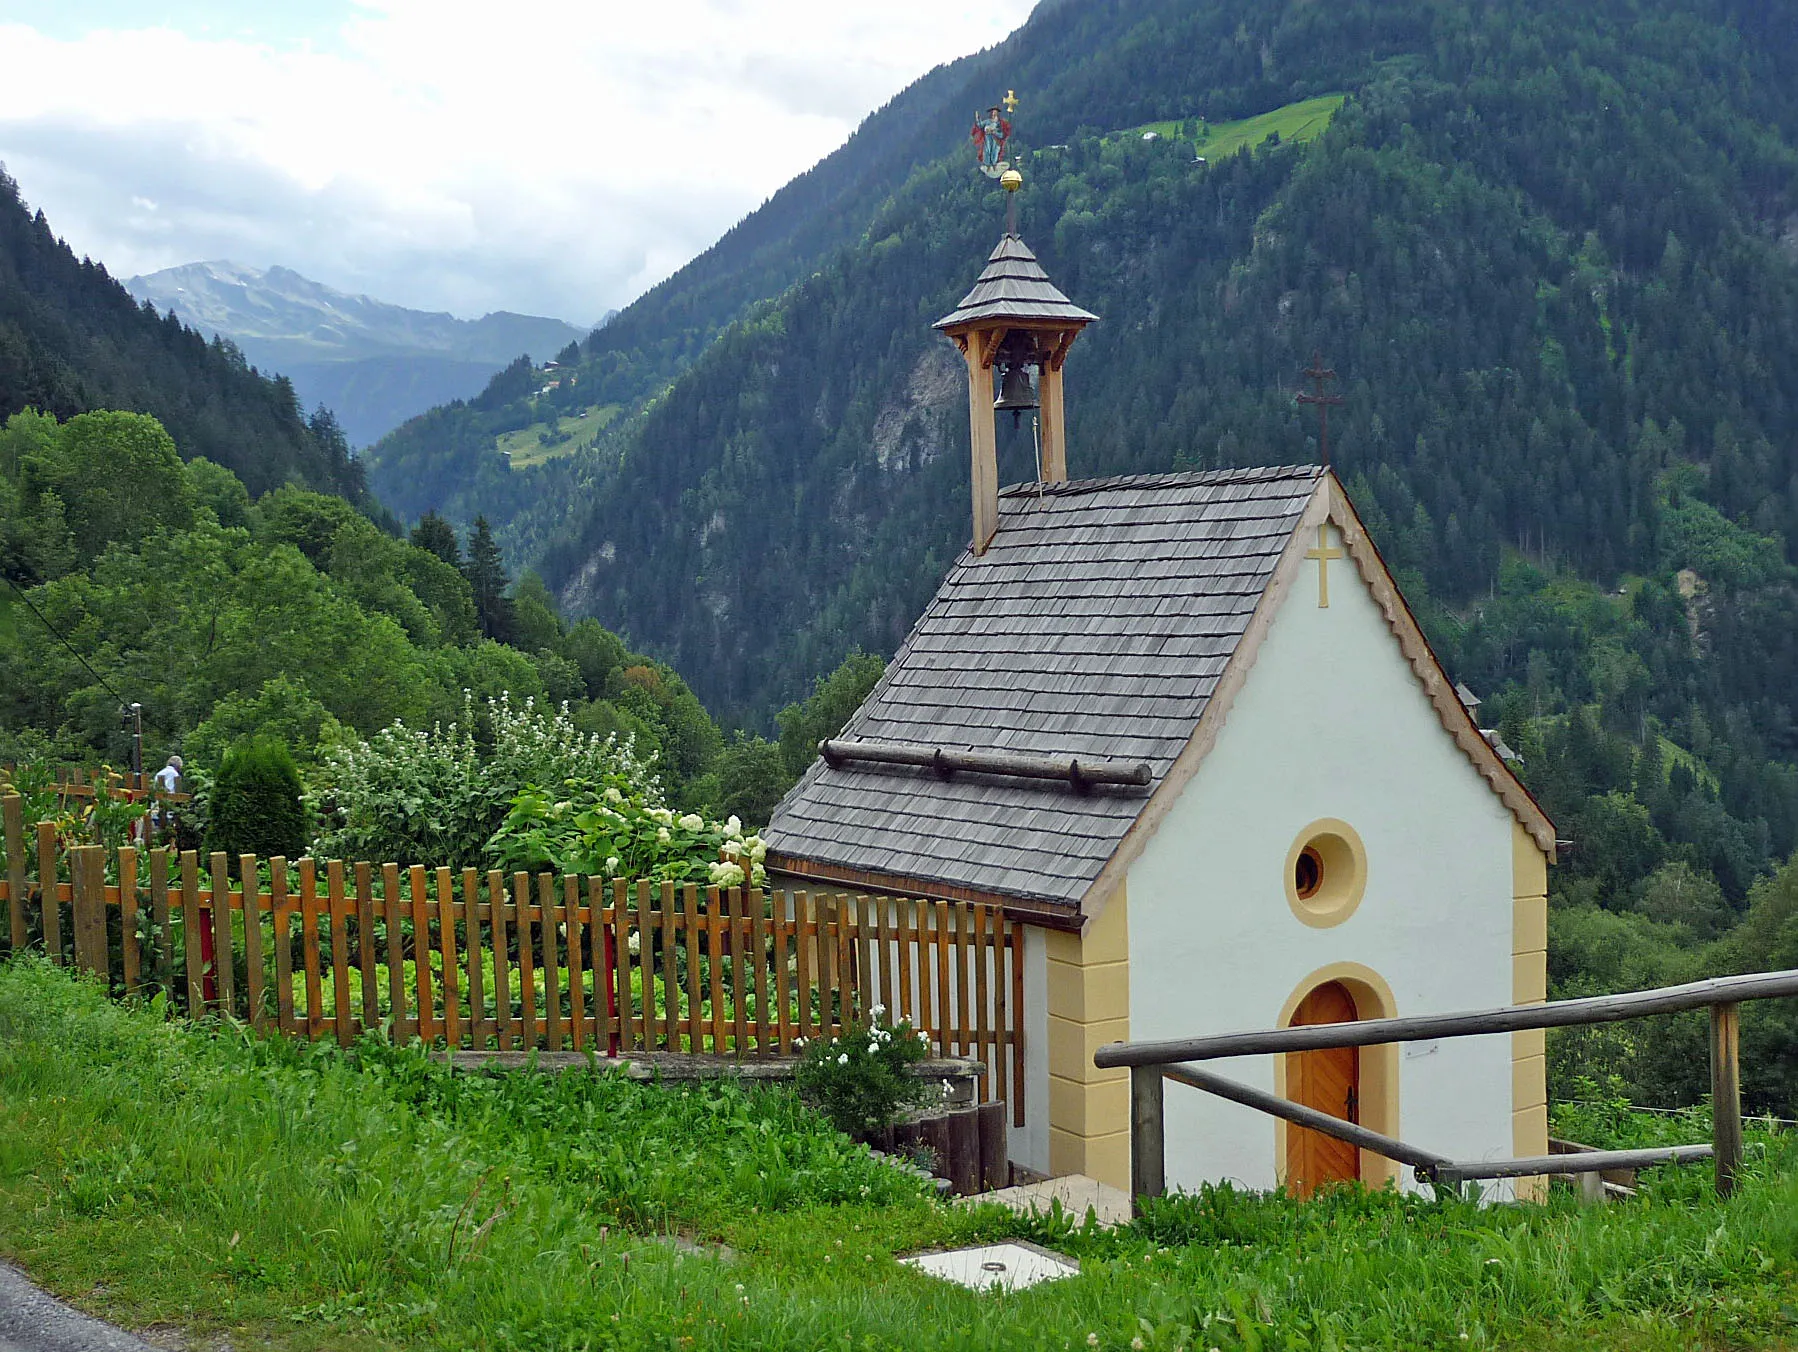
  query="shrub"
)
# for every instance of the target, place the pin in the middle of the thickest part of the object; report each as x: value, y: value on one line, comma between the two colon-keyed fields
x: 608, y: 829
x: 862, y: 1081
x: 255, y: 803
x: 436, y: 797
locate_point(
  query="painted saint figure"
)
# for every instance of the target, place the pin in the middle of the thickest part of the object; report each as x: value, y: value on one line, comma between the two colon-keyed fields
x: 991, y: 134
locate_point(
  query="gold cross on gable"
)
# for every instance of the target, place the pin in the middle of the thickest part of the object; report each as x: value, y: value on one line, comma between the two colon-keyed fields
x: 1010, y: 100
x: 1324, y: 552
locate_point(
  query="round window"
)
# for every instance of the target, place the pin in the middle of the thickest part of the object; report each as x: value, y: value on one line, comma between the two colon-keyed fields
x: 1326, y: 873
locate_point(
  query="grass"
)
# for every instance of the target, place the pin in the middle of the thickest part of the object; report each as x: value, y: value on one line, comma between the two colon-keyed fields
x: 304, y: 1197
x: 1303, y: 121
x: 526, y: 446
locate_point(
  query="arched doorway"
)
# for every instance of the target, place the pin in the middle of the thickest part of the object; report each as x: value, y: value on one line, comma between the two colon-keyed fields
x: 1329, y: 1081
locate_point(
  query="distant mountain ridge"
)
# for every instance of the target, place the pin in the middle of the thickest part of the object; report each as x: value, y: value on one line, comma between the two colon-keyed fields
x: 373, y: 363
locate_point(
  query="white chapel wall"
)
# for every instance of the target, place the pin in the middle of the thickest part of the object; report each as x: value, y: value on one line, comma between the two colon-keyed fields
x: 1331, y: 723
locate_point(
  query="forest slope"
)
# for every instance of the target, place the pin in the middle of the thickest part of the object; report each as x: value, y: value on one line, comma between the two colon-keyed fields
x: 73, y: 340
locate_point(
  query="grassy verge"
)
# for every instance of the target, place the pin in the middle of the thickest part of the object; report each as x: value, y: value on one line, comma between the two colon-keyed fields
x: 304, y: 1197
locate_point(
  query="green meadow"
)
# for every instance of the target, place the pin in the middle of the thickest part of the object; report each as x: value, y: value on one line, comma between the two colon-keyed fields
x: 1303, y: 121
x: 215, y: 1186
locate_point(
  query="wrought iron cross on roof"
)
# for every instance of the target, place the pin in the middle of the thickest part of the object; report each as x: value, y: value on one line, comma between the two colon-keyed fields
x: 1320, y: 375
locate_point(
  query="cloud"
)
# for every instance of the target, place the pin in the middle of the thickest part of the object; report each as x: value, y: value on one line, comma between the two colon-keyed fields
x: 449, y: 154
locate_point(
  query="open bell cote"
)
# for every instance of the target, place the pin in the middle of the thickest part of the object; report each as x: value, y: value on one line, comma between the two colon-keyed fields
x: 1014, y: 318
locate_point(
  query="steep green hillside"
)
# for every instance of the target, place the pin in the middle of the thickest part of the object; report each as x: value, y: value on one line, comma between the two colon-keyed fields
x: 1301, y: 121
x: 72, y: 339
x: 447, y: 459
x: 1528, y: 266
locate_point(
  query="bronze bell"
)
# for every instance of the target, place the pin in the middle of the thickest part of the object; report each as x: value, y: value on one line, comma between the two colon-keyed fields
x: 1016, y: 395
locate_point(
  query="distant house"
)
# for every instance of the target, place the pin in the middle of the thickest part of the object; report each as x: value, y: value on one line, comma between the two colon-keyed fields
x: 1220, y: 775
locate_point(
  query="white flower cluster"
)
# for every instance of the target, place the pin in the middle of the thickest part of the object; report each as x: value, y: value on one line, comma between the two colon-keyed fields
x: 726, y: 874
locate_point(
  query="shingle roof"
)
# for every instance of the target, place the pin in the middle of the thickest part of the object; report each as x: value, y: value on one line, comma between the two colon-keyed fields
x: 1013, y: 285
x: 1096, y: 624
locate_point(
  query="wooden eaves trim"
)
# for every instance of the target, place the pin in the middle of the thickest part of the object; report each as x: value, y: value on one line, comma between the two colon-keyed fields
x: 1329, y: 503
x: 833, y: 877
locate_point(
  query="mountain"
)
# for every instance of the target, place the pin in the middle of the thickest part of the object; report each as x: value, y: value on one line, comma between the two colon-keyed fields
x: 1527, y: 267
x: 72, y: 339
x: 372, y: 363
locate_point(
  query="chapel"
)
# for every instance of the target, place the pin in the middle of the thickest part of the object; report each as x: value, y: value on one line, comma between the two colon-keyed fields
x: 1205, y: 754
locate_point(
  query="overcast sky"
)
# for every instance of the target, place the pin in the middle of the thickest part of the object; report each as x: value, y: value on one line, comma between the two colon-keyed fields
x: 465, y: 155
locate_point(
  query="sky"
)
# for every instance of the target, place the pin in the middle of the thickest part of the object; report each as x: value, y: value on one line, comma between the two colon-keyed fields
x: 555, y: 158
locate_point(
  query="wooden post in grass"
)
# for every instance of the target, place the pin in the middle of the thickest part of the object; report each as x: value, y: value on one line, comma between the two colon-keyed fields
x: 87, y: 874
x: 12, y: 809
x: 1148, y: 1154
x: 46, y: 883
x: 1726, y: 1095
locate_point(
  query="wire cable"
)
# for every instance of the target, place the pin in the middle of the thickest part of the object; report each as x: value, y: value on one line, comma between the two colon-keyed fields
x: 65, y: 643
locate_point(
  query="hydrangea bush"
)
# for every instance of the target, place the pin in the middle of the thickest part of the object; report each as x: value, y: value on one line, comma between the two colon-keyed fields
x: 862, y: 1080
x: 605, y: 828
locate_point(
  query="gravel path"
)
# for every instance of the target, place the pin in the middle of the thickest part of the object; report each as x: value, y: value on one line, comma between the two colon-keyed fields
x: 31, y: 1321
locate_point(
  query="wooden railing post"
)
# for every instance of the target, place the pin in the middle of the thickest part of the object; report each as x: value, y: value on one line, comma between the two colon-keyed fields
x: 1726, y: 1095
x: 87, y: 874
x: 1148, y: 1152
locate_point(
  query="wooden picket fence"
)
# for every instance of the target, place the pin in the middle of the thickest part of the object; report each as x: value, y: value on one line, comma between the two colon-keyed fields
x: 483, y: 961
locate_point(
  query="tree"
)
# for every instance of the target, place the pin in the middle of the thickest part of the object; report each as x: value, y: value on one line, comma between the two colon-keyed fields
x: 535, y: 623
x: 255, y: 805
x: 117, y: 476
x: 219, y: 491
x: 832, y: 701
x: 486, y: 573
x: 435, y: 534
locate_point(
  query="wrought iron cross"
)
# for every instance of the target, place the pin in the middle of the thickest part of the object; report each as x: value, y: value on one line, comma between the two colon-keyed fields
x: 1319, y: 375
x: 1010, y: 100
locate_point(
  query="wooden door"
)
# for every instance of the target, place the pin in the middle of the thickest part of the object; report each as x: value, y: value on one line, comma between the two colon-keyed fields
x: 1329, y: 1081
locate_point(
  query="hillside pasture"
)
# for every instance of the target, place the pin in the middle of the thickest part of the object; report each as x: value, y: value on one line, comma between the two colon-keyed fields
x: 568, y: 434
x: 1303, y: 121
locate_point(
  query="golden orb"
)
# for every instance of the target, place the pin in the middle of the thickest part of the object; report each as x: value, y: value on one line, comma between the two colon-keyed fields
x: 1011, y: 180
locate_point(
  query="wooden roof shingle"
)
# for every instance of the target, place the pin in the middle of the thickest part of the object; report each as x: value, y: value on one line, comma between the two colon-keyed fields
x: 1096, y: 624
x: 1013, y: 286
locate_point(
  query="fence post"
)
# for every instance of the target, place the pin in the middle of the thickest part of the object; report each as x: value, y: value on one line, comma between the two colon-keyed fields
x: 12, y: 809
x: 1726, y: 1095
x: 87, y: 876
x: 1148, y: 1157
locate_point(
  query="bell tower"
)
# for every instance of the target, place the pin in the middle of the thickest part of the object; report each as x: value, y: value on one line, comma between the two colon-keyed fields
x: 1014, y: 321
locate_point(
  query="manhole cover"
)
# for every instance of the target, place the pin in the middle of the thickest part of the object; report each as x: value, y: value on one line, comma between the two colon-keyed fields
x: 1011, y: 1266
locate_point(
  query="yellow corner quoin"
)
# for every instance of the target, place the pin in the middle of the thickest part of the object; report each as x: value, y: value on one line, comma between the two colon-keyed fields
x: 1529, y: 986
x: 1088, y: 1005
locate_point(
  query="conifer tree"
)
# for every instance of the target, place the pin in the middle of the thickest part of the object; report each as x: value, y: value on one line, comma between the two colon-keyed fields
x: 435, y: 534
x: 486, y: 574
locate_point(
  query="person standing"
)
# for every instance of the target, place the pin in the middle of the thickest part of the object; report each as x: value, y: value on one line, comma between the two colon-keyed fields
x: 168, y: 782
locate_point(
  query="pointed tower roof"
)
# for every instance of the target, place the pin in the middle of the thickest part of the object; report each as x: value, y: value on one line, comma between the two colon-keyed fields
x: 1014, y: 288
